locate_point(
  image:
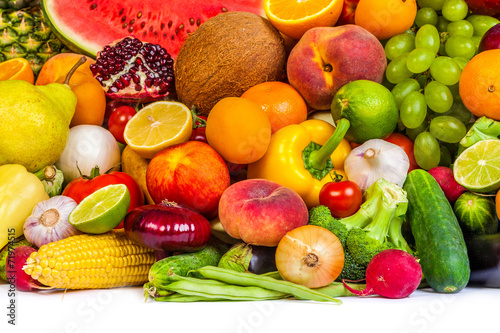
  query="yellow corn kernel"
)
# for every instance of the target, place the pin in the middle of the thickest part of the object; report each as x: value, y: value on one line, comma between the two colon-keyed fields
x: 46, y: 271
x: 44, y: 263
x: 91, y: 261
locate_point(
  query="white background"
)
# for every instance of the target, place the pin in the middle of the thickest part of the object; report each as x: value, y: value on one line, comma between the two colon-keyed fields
x: 473, y: 309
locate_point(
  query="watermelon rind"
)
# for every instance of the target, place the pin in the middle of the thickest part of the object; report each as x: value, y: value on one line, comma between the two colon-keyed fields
x: 86, y: 27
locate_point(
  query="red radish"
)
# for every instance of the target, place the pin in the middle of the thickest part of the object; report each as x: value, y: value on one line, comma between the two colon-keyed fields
x: 391, y: 274
x: 16, y: 275
x: 444, y: 176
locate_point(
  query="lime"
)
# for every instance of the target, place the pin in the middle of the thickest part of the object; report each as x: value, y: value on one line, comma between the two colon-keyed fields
x: 477, y: 168
x: 102, y: 210
x: 370, y: 108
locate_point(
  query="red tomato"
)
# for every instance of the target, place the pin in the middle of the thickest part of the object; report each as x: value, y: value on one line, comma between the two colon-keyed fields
x: 199, y: 125
x: 404, y: 142
x: 81, y: 187
x: 118, y: 120
x: 342, y: 198
x: 111, y: 107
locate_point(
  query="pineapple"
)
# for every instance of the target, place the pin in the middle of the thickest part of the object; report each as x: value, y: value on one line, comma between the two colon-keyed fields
x: 25, y: 34
x: 18, y: 4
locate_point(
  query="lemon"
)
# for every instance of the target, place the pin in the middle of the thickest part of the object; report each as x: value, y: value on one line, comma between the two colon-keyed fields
x: 102, y: 210
x: 478, y: 167
x: 157, y: 126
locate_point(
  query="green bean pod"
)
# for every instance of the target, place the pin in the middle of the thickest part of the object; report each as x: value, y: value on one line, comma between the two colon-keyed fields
x: 226, y: 291
x: 181, y: 298
x: 249, y: 279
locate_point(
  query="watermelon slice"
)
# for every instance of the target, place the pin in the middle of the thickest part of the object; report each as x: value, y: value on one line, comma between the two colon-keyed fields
x: 85, y: 26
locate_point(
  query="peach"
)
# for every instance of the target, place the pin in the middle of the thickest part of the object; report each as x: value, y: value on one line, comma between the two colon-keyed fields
x: 260, y: 211
x: 192, y: 174
x: 59, y: 65
x: 326, y: 58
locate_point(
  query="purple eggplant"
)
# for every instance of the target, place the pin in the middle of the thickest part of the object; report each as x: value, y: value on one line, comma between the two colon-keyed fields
x: 484, y: 257
x: 243, y: 257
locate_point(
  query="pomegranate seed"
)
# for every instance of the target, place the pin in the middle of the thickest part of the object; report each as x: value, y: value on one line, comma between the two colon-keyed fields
x: 134, y: 60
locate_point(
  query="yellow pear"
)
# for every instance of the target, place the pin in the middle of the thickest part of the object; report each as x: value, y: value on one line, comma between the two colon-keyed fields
x: 35, y: 122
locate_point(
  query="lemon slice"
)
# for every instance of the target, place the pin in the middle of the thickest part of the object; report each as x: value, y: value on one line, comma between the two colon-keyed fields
x: 294, y: 17
x: 157, y: 126
x: 478, y: 167
x: 102, y: 210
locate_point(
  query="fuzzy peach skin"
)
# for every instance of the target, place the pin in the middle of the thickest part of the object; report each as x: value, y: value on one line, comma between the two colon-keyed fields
x: 326, y: 58
x: 261, y: 212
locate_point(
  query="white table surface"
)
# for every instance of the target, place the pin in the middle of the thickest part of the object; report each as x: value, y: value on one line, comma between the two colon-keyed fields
x: 474, y: 309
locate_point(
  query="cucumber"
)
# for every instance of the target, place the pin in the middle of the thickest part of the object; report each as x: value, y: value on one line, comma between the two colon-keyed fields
x: 161, y: 272
x: 439, y: 241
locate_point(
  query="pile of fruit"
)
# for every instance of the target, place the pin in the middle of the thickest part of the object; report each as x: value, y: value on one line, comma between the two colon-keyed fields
x: 250, y: 150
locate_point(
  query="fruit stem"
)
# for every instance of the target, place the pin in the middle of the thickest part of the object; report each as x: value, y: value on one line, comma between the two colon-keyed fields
x: 74, y: 68
x: 319, y: 157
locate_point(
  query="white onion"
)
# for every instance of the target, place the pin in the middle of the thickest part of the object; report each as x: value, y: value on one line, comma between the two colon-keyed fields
x: 88, y: 145
x: 374, y: 159
x: 48, y: 221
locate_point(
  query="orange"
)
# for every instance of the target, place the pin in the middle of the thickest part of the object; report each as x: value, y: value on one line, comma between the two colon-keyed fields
x: 91, y: 99
x: 238, y: 129
x: 59, y: 65
x: 479, y: 84
x: 16, y: 69
x: 386, y: 18
x: 294, y: 17
x: 282, y: 103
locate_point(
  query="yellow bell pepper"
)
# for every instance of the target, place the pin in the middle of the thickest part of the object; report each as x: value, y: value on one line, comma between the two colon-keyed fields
x: 285, y: 163
x: 20, y: 191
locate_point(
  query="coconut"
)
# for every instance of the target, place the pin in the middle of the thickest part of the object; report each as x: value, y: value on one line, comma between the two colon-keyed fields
x: 225, y: 56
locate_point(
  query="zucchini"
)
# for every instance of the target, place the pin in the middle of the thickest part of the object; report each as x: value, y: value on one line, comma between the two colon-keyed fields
x: 439, y: 241
x: 163, y: 272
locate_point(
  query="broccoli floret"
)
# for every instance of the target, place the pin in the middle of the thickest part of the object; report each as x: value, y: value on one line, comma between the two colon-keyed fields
x: 384, y: 207
x: 322, y: 217
x: 352, y: 270
x: 375, y: 227
x: 363, y: 247
x: 483, y: 128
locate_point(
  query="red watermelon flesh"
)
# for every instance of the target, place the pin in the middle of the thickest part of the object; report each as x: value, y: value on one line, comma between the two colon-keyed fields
x: 87, y: 25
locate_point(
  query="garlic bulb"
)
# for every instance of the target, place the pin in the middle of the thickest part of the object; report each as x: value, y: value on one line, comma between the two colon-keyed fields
x: 374, y: 159
x: 48, y: 221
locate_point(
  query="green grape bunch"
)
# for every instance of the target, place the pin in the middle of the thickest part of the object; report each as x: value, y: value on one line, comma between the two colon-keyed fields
x: 423, y: 71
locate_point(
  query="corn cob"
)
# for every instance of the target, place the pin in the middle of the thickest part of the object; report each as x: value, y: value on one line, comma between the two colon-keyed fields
x: 91, y: 262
